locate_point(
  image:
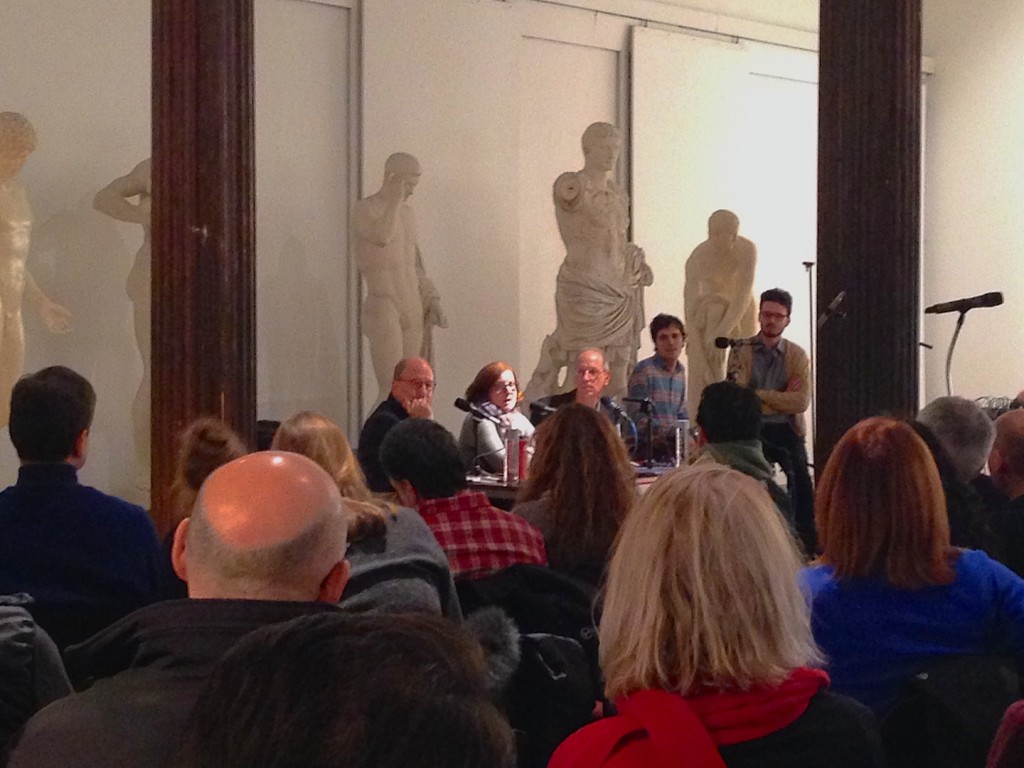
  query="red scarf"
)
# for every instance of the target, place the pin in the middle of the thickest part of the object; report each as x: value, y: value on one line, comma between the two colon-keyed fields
x: 659, y: 729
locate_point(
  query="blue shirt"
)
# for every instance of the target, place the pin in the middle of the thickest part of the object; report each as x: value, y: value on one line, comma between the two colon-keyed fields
x: 877, y: 636
x: 664, y: 385
x: 769, y: 372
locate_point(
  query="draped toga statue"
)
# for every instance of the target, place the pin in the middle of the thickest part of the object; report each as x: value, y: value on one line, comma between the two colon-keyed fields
x: 599, y: 292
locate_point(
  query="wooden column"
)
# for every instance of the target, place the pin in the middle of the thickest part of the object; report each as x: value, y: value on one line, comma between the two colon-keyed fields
x: 204, y: 321
x: 869, y: 172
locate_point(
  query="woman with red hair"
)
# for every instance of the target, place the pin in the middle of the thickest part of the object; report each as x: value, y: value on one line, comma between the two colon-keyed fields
x: 495, y: 391
x: 890, y: 597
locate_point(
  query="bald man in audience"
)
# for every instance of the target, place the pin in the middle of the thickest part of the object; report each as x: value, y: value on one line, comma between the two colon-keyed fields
x: 1006, y: 465
x: 265, y: 543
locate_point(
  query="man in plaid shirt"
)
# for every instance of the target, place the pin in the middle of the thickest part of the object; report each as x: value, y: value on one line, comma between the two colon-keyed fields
x: 422, y: 460
x: 661, y: 379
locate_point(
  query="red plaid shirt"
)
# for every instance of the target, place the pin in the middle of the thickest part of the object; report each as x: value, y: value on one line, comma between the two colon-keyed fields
x: 478, y: 538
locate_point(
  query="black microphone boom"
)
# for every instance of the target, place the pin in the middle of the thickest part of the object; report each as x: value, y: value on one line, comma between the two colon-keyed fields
x: 724, y: 342
x: 474, y: 410
x: 993, y: 299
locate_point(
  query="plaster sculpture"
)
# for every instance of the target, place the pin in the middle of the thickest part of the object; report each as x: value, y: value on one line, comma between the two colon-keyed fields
x: 17, y: 287
x: 402, y: 305
x: 129, y: 198
x: 599, y: 291
x: 718, y: 300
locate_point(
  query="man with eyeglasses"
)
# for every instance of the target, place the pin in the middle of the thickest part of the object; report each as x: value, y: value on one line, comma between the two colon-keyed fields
x: 779, y: 372
x: 592, y: 375
x: 412, y: 394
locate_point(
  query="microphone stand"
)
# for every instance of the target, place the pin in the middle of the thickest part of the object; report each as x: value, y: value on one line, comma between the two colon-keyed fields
x: 647, y: 408
x: 809, y: 267
x: 949, y: 353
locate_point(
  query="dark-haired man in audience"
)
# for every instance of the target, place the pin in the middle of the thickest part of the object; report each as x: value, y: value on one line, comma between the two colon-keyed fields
x: 729, y: 417
x: 265, y: 544
x: 1006, y: 464
x: 422, y: 459
x: 779, y: 372
x: 86, y: 558
x: 412, y: 394
x: 661, y: 379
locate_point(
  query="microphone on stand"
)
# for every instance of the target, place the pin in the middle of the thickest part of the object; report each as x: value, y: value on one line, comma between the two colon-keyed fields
x: 541, y: 408
x: 832, y: 310
x: 993, y: 299
x: 724, y: 342
x: 475, y: 411
x: 645, y: 403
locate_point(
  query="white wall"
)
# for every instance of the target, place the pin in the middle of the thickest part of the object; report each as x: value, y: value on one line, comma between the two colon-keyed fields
x: 974, y: 192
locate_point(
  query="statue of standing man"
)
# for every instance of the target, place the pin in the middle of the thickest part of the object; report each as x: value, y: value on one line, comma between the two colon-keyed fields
x: 718, y: 300
x: 599, y: 292
x: 402, y: 304
x: 17, y: 141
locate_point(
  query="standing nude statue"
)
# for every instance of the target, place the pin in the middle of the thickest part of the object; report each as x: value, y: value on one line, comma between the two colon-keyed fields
x: 17, y: 141
x: 402, y: 304
x: 129, y: 198
x: 599, y: 291
x: 718, y: 300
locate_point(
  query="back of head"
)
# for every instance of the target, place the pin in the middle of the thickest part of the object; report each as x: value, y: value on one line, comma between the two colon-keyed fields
x: 49, y: 410
x: 880, y: 507
x: 729, y: 412
x: 267, y: 526
x: 581, y: 465
x: 426, y: 455
x: 206, y: 443
x: 360, y: 691
x: 321, y: 440
x: 779, y: 296
x: 965, y: 432
x: 1009, y: 443
x: 702, y: 589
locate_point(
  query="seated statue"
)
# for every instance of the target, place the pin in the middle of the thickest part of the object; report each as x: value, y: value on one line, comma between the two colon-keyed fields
x: 599, y: 291
x: 718, y: 300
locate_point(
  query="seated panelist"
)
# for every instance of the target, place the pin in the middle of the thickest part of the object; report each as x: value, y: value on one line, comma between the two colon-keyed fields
x: 592, y: 375
x: 495, y: 391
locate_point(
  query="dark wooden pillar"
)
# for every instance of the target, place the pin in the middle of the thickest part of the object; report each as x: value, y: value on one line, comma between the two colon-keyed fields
x: 869, y: 173
x: 203, y: 224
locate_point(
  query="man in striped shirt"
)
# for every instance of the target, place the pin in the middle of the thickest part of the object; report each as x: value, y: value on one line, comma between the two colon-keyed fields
x: 661, y: 379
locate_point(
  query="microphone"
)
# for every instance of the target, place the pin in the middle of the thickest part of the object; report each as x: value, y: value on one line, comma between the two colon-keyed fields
x: 993, y: 299
x: 541, y: 408
x: 724, y: 342
x: 640, y: 400
x: 832, y: 309
x: 614, y: 407
x: 475, y: 411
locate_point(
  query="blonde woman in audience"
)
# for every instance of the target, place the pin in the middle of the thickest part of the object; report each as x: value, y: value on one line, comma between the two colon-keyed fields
x: 580, y: 487
x: 397, y: 563
x: 890, y: 596
x: 706, y: 642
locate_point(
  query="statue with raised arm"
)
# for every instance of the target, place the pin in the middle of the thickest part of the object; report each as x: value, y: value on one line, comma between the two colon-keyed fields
x: 599, y: 291
x: 17, y: 141
x: 402, y: 305
x: 718, y: 300
x: 128, y: 198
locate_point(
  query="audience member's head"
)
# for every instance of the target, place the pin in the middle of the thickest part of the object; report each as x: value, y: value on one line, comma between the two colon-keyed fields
x: 880, y: 507
x: 1006, y: 462
x: 321, y: 440
x: 267, y: 526
x: 495, y: 383
x: 702, y: 590
x: 265, y: 431
x: 413, y: 379
x: 205, y: 444
x: 592, y: 376
x: 51, y: 412
x: 729, y: 412
x: 422, y: 460
x: 965, y: 432
x: 582, y: 468
x: 374, y: 691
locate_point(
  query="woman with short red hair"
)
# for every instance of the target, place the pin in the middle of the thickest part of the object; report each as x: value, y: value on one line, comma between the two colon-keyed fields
x: 495, y: 391
x: 890, y: 597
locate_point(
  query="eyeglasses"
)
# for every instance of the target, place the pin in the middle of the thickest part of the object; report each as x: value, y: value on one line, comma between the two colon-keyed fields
x: 504, y: 386
x: 421, y: 384
x: 584, y: 372
x: 773, y: 316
